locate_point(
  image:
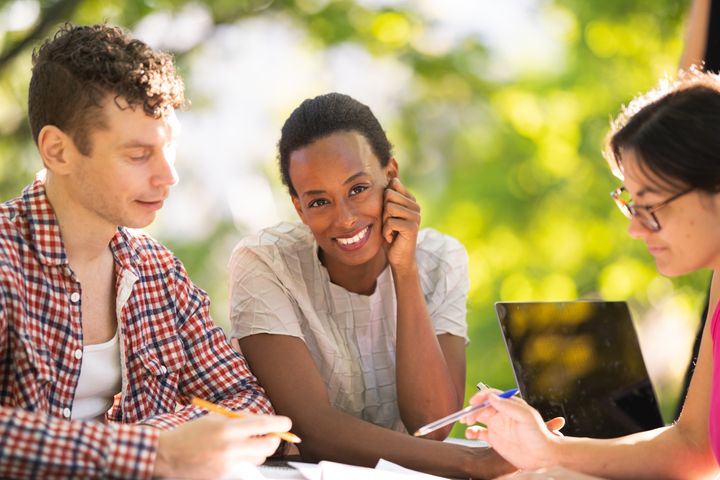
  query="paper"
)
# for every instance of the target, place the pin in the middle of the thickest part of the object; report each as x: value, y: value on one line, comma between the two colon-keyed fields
x: 386, y: 466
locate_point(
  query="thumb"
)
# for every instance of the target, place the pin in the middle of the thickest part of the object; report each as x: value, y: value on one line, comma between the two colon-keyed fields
x: 555, y: 424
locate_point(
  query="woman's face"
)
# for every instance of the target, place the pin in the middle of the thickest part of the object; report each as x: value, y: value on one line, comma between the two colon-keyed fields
x: 689, y: 236
x: 340, y: 183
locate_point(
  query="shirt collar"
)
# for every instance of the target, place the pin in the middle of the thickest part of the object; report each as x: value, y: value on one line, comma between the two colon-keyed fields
x: 128, y: 249
x: 43, y: 225
x: 45, y: 233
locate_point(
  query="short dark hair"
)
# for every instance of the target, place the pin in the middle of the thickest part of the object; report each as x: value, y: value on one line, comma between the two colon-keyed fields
x: 79, y: 66
x: 674, y: 130
x: 322, y: 116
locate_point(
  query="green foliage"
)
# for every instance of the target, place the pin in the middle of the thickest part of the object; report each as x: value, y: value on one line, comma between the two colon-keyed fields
x: 512, y: 166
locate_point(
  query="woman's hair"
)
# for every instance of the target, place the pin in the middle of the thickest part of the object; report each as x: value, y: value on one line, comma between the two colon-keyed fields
x: 674, y: 131
x: 75, y: 70
x: 322, y: 116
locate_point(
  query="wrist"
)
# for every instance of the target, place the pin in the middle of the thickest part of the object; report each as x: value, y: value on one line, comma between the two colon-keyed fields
x: 163, y: 461
x: 404, y: 270
x: 554, y: 454
x: 485, y: 462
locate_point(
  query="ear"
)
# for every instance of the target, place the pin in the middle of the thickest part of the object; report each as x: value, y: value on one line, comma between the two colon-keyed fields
x: 298, y: 207
x: 56, y: 148
x: 391, y: 169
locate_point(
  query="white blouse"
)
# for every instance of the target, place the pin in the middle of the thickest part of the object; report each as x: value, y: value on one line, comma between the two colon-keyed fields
x: 279, y: 286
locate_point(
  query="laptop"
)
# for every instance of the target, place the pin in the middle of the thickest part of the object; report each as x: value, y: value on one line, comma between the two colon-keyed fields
x: 582, y: 361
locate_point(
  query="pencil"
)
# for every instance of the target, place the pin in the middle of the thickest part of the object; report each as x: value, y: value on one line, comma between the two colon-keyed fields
x: 211, y: 407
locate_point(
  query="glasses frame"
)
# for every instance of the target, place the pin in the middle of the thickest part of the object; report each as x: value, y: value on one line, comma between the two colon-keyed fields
x: 630, y: 210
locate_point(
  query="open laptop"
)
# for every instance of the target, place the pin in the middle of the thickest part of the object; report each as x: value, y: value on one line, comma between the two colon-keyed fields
x: 580, y: 360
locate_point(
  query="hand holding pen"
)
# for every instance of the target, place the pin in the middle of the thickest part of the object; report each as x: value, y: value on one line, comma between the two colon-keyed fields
x: 464, y: 413
x: 515, y: 430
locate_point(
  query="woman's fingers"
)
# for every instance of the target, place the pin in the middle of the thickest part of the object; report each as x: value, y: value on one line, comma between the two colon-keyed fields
x: 515, y: 408
x: 555, y: 424
x: 401, y: 196
x: 395, y: 185
x: 476, y: 432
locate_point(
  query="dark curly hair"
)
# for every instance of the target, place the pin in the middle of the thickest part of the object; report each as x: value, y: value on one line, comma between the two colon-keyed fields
x: 674, y: 131
x: 75, y: 70
x: 322, y: 116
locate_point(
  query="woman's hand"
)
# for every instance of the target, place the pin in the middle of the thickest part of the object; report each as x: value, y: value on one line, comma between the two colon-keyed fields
x: 401, y: 222
x: 553, y: 473
x: 515, y: 430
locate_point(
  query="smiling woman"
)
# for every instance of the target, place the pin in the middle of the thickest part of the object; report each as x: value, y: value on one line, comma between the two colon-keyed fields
x: 354, y: 319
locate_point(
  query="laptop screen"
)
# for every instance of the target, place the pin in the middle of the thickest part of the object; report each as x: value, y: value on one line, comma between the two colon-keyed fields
x: 582, y: 361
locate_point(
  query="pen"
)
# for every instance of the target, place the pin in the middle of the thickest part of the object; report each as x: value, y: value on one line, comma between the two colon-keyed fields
x: 431, y: 427
x: 211, y: 407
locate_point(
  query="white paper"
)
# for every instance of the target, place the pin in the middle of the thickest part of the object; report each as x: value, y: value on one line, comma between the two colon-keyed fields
x: 386, y: 466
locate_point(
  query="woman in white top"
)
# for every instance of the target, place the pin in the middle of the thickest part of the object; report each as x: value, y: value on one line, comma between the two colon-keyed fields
x: 354, y: 320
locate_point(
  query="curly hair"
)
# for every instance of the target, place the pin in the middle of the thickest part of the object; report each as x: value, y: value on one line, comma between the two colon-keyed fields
x: 322, y: 116
x: 673, y: 131
x: 80, y: 66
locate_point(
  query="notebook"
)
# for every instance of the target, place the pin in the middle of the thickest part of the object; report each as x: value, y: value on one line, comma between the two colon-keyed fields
x: 580, y: 360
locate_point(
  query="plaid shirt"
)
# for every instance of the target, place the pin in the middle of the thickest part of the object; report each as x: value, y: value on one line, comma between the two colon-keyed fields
x: 170, y: 352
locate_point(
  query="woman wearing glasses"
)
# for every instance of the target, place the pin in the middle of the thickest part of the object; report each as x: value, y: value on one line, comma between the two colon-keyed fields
x: 665, y: 147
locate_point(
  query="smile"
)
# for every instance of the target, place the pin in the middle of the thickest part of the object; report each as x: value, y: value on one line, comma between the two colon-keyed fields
x: 356, y: 240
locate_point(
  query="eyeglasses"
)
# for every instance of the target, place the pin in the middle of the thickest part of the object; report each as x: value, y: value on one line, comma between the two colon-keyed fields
x: 644, y: 213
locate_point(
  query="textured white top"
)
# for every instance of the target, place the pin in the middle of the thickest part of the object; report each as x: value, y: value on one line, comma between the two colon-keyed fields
x: 279, y: 286
x: 99, y: 380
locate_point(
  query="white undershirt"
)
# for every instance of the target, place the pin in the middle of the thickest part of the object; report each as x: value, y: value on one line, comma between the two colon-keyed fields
x: 99, y: 380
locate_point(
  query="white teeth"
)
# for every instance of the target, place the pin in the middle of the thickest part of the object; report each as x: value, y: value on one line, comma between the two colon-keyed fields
x: 355, y: 239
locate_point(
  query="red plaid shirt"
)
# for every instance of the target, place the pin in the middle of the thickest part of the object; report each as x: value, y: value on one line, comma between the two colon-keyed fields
x: 170, y: 352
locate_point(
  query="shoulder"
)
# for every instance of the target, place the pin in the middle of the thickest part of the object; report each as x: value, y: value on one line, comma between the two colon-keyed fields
x: 442, y: 263
x: 14, y: 229
x: 437, y: 247
x: 284, y: 236
x: 284, y: 243
x: 150, y: 256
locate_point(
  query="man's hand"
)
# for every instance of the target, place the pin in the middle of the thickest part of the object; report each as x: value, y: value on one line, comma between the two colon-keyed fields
x: 211, y: 446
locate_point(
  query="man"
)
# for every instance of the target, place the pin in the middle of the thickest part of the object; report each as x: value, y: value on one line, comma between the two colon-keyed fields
x: 104, y: 340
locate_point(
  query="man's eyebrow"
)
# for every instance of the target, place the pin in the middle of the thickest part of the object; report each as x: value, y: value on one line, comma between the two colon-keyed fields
x: 136, y: 144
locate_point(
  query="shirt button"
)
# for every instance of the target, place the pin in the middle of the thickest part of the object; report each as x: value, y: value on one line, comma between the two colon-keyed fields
x: 66, y: 412
x: 74, y: 297
x: 78, y: 353
x: 163, y: 369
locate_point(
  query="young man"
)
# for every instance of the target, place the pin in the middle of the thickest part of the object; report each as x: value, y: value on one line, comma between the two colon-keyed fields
x: 104, y: 340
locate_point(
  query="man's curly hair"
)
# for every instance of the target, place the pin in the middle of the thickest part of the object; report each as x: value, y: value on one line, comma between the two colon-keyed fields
x: 76, y: 70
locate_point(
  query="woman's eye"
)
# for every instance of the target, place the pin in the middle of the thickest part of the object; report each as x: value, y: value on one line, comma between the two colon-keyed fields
x: 317, y: 203
x: 358, y: 189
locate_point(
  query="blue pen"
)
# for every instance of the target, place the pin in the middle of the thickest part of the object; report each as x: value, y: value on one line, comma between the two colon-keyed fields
x: 431, y: 427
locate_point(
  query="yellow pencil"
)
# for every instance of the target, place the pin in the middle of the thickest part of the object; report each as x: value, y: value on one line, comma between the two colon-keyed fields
x: 211, y: 407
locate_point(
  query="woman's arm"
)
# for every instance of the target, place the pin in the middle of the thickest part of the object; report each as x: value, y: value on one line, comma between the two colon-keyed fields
x: 696, y: 31
x: 430, y: 371
x: 287, y: 372
x: 681, y: 450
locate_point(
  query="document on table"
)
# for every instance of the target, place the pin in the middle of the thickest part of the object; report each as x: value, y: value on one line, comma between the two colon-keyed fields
x: 324, y: 470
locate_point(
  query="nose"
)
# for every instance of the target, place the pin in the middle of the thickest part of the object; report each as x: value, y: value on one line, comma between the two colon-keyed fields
x: 165, y: 174
x: 637, y: 229
x: 346, y: 215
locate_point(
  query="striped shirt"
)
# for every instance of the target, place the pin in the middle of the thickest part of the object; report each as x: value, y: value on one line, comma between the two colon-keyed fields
x: 170, y: 351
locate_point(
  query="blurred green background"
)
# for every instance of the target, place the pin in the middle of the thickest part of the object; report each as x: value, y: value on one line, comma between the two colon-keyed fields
x: 497, y: 111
